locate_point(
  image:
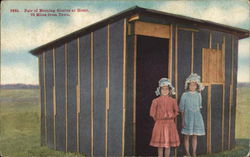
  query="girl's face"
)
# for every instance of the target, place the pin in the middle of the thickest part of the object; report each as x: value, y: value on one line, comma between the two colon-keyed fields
x: 192, y: 86
x: 164, y: 90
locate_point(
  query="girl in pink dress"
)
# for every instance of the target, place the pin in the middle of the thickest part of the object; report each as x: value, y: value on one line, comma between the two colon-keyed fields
x: 163, y: 110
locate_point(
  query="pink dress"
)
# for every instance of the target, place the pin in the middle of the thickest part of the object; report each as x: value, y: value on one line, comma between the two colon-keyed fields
x: 164, y: 109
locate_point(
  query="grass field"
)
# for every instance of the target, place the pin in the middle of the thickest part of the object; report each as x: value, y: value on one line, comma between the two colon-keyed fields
x: 20, y: 126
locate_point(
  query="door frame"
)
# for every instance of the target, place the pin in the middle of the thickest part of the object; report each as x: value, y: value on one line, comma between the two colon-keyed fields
x: 150, y: 31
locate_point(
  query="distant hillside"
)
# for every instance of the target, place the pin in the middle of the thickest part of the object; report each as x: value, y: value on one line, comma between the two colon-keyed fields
x: 19, y: 86
x: 243, y: 84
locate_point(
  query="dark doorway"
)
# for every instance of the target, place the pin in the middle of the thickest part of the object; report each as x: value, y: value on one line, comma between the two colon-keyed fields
x: 152, y: 64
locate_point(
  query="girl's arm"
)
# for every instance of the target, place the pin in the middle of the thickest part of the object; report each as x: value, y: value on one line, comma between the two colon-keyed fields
x: 176, y: 109
x: 182, y: 109
x: 182, y: 120
x: 182, y: 103
x: 153, y: 109
x: 200, y: 100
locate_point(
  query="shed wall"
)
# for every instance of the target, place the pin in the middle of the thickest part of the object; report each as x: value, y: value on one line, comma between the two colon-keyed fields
x: 219, y: 100
x: 41, y: 82
x: 49, y: 98
x: 216, y: 117
x: 184, y: 58
x: 234, y: 92
x: 100, y: 84
x: 202, y: 147
x: 71, y: 94
x: 201, y: 40
x: 85, y: 101
x: 116, y: 89
x: 216, y: 39
x: 173, y: 47
x: 60, y: 98
x: 228, y: 71
x: 184, y: 48
x: 130, y: 73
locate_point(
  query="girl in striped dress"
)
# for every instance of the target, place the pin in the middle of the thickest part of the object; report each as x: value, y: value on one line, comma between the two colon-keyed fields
x: 164, y: 110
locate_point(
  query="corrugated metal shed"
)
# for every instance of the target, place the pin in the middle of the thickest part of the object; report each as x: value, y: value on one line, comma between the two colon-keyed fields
x: 97, y: 83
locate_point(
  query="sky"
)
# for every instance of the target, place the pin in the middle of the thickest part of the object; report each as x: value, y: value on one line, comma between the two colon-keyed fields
x: 21, y: 32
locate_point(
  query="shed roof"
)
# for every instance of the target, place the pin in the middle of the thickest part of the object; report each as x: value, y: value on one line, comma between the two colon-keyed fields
x: 241, y: 33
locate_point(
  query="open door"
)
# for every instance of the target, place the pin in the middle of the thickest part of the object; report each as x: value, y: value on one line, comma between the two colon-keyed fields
x: 152, y: 65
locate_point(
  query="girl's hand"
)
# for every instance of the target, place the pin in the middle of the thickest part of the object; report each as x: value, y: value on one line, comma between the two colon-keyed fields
x: 170, y: 115
x: 183, y: 120
x: 154, y: 119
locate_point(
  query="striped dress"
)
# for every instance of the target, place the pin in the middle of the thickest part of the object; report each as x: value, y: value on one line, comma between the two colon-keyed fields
x: 163, y: 110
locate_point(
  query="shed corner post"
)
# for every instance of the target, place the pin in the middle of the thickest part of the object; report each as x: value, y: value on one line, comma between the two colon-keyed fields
x: 92, y: 93
x: 78, y: 97
x: 66, y: 96
x: 175, y: 68
x: 107, y: 91
x: 54, y: 96
x: 124, y: 84
x: 134, y: 93
x: 45, y: 102
x: 170, y: 53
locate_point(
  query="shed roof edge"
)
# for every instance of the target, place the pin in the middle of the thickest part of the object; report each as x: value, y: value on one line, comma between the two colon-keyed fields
x: 242, y: 33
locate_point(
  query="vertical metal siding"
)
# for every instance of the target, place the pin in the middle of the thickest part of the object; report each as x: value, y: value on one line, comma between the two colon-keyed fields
x: 49, y: 98
x: 116, y: 83
x: 129, y: 97
x: 60, y: 99
x: 216, y: 117
x: 41, y: 84
x: 228, y: 64
x: 202, y: 141
x: 234, y: 98
x: 72, y: 82
x: 100, y: 79
x: 173, y: 54
x: 217, y: 39
x: 183, y: 69
x: 84, y: 121
x: 201, y: 40
x: 184, y: 58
